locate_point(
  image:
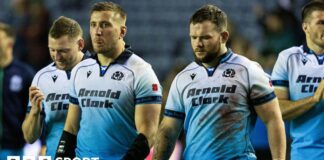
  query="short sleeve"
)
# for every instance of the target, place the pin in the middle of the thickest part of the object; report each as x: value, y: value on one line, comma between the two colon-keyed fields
x: 174, y: 108
x: 261, y: 90
x: 147, y: 87
x: 279, y: 75
x: 73, y: 94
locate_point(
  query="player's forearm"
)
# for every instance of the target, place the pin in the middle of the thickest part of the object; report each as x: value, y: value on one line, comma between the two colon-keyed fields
x: 164, y: 145
x: 292, y: 109
x: 32, y: 127
x: 277, y: 138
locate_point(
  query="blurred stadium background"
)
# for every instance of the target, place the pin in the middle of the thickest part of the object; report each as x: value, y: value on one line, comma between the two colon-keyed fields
x: 158, y: 31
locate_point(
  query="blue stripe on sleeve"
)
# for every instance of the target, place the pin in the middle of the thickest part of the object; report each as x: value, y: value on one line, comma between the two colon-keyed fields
x: 280, y: 83
x: 174, y: 114
x: 149, y: 100
x: 264, y: 99
x: 73, y: 100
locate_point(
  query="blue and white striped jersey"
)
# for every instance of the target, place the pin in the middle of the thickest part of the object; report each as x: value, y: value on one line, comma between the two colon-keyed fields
x: 301, y: 70
x: 217, y: 106
x: 107, y: 97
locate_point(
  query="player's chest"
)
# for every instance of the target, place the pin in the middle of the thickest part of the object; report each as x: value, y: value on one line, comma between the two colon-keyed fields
x: 223, y: 87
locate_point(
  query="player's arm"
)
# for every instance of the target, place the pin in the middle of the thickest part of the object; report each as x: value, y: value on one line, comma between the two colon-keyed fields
x: 146, y: 121
x: 269, y: 113
x: 166, y: 137
x: 32, y: 125
x: 67, y: 143
x: 292, y: 109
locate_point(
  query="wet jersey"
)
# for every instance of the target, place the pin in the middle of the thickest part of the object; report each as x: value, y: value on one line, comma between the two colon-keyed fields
x: 216, y: 105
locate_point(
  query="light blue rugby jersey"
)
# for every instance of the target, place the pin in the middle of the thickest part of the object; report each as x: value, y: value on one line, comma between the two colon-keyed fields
x: 107, y: 99
x: 301, y: 70
x: 217, y: 107
x: 54, y: 83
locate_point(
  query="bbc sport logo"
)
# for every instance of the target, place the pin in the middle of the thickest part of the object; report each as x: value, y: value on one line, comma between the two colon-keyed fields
x: 48, y: 158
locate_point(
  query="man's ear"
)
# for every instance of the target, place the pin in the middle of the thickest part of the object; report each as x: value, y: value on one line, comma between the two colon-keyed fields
x: 123, y: 31
x: 224, y: 36
x: 305, y: 27
x: 81, y: 44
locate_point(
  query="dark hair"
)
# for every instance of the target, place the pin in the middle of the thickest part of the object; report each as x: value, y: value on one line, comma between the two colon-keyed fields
x: 8, y: 30
x: 65, y: 26
x: 109, y: 6
x: 311, y: 6
x: 210, y: 13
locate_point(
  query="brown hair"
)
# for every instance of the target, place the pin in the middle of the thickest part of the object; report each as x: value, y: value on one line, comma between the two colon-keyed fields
x: 109, y: 6
x: 65, y: 26
x: 311, y: 6
x: 210, y: 13
x: 7, y: 29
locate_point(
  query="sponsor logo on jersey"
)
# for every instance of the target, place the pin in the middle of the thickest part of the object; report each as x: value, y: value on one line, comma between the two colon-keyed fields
x: 57, y: 101
x: 106, y: 95
x: 193, y: 75
x: 54, y: 78
x: 309, y: 84
x: 155, y: 87
x: 89, y: 73
x: 200, y: 98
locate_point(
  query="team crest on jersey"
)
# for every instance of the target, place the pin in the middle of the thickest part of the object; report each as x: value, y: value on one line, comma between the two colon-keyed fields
x: 117, y: 75
x: 88, y: 74
x: 54, y: 77
x: 193, y: 75
x: 16, y: 83
x: 229, y: 73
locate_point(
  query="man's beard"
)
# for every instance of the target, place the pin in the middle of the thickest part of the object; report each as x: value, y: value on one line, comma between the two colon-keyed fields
x: 209, y: 57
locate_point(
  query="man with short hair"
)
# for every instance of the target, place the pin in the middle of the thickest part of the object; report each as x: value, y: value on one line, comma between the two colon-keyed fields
x: 217, y: 98
x: 297, y: 77
x: 49, y: 92
x: 115, y: 99
x: 15, y: 78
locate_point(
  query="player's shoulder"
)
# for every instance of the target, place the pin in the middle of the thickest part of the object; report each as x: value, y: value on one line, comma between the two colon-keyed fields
x: 85, y: 63
x: 295, y: 50
x: 135, y: 61
x: 49, y: 68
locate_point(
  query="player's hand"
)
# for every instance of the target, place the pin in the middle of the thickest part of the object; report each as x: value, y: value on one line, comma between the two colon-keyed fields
x: 35, y: 97
x: 319, y: 94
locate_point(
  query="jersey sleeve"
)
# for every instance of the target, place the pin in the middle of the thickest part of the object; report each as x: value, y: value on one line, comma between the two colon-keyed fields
x: 174, y: 108
x: 261, y: 90
x: 279, y: 75
x: 73, y: 98
x: 147, y: 87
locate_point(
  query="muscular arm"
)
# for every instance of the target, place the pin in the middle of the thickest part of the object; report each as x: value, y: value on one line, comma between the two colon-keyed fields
x: 269, y: 113
x: 292, y: 109
x: 147, y: 120
x: 167, y: 135
x: 32, y: 125
x: 72, y: 122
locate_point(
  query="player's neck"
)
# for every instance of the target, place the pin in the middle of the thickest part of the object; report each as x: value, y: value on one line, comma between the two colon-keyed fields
x: 316, y: 48
x: 216, y: 61
x: 106, y: 58
x: 80, y: 55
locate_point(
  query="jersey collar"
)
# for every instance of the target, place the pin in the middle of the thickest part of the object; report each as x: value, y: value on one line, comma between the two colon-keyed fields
x: 307, y: 50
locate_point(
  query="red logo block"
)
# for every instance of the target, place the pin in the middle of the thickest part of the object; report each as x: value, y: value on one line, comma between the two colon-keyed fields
x: 155, y: 87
